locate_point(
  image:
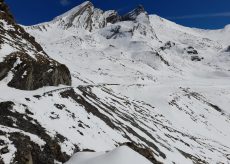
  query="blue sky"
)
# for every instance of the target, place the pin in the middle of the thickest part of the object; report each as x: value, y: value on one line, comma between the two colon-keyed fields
x: 207, y: 14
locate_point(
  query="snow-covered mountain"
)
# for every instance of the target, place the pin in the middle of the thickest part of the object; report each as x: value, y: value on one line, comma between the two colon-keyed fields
x: 136, y: 78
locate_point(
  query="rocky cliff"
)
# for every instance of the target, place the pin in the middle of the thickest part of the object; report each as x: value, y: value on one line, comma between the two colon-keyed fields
x: 23, y: 62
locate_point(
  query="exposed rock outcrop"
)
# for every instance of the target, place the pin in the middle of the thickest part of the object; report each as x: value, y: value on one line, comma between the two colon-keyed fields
x: 33, y: 143
x: 191, y: 50
x: 29, y: 73
x: 196, y: 58
x: 112, y: 16
x: 132, y: 15
x: 227, y: 49
x: 23, y: 60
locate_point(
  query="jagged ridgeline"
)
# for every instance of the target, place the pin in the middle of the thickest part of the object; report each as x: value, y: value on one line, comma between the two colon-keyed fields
x: 23, y: 62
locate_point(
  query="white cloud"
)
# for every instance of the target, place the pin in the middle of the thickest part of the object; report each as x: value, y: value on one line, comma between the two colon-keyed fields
x: 65, y: 2
x: 223, y: 14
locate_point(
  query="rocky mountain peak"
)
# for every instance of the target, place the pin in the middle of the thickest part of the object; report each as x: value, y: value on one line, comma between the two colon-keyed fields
x: 88, y: 17
x: 132, y: 15
x: 79, y: 16
x: 76, y: 11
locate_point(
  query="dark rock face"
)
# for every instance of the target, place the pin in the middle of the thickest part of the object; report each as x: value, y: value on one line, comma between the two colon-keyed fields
x: 30, y: 67
x: 4, y: 7
x: 167, y: 45
x: 113, y: 18
x: 191, y: 50
x: 30, y: 74
x: 131, y: 16
x: 162, y: 59
x: 28, y: 151
x: 196, y: 58
x: 228, y: 49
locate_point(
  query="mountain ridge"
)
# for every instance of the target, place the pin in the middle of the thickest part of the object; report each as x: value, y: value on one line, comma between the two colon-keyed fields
x: 87, y: 16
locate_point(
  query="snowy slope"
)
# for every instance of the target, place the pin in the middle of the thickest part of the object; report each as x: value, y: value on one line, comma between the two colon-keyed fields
x: 121, y: 155
x: 137, y: 78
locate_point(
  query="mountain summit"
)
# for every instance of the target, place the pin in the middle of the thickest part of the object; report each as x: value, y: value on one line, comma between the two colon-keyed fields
x: 88, y: 17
